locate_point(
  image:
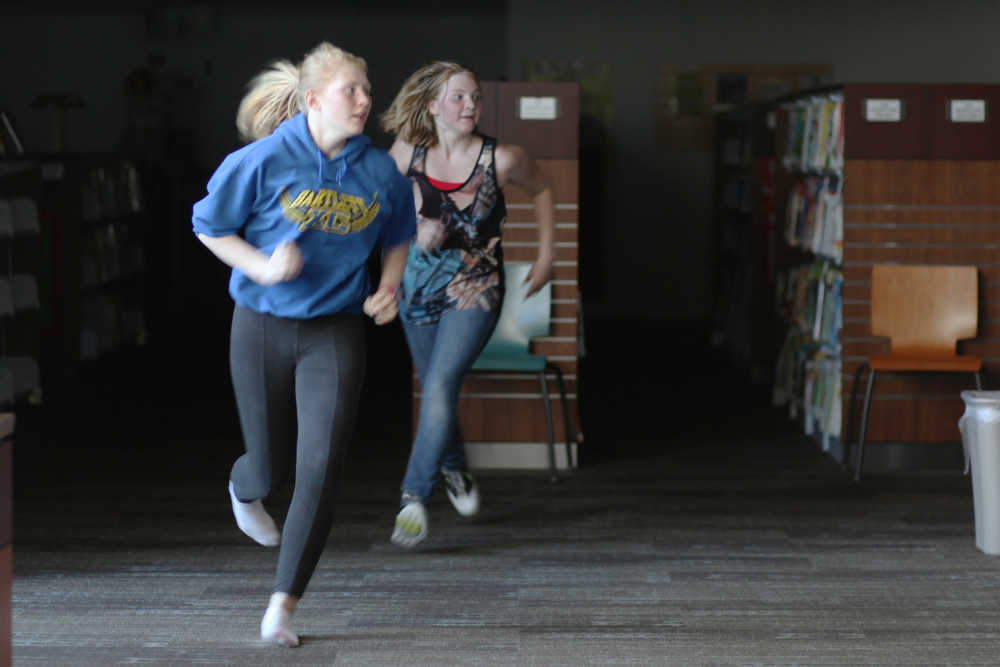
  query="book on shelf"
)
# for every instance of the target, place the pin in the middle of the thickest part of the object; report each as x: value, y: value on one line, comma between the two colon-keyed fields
x: 10, y: 142
x: 815, y: 134
x: 815, y: 216
x: 807, y: 374
x: 821, y: 395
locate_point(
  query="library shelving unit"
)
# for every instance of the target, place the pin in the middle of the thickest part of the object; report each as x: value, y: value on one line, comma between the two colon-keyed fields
x: 744, y: 162
x: 21, y: 270
x: 112, y: 235
x: 21, y: 323
x: 809, y: 200
x: 917, y: 185
x: 90, y: 231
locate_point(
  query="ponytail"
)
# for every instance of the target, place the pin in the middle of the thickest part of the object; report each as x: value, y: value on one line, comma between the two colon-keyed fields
x: 272, y: 97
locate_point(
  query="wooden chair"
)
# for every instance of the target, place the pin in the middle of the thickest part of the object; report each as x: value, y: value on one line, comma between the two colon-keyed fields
x: 507, y: 350
x: 924, y: 311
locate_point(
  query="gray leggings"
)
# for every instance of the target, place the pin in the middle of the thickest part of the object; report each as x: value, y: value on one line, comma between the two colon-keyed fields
x: 297, y: 385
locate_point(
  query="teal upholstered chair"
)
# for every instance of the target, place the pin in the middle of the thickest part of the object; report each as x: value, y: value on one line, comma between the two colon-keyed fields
x: 507, y: 350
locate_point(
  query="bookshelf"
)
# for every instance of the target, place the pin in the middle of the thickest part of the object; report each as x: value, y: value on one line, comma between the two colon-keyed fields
x: 744, y: 163
x: 809, y: 284
x: 76, y: 264
x: 911, y: 179
x: 21, y: 270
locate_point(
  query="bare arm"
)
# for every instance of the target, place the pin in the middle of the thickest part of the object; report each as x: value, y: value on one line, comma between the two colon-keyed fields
x: 401, y: 153
x: 393, y: 264
x: 382, y: 305
x: 284, y: 264
x: 514, y: 165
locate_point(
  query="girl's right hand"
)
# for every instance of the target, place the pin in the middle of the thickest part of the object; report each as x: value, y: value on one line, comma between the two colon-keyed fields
x: 284, y: 264
x: 381, y: 306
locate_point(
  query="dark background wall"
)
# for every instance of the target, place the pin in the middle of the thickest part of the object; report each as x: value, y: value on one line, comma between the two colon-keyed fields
x: 653, y: 249
x: 655, y: 232
x: 164, y: 84
x: 162, y: 80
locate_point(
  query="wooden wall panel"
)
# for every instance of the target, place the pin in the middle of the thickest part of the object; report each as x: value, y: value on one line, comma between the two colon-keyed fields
x: 913, y: 384
x: 908, y: 184
x: 565, y: 233
x: 930, y: 252
x: 510, y: 383
x: 7, y: 421
x: 913, y: 419
x: 918, y: 212
x: 565, y: 310
x: 6, y: 616
x: 527, y: 252
x: 492, y: 419
x: 926, y: 130
x: 888, y: 215
x: 526, y: 213
x: 488, y: 113
x: 963, y: 141
x: 513, y: 419
x: 955, y: 235
x: 544, y: 139
x: 563, y: 179
x: 6, y: 479
x: 903, y: 140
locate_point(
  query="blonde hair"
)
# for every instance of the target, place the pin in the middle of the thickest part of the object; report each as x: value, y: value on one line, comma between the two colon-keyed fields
x: 279, y: 92
x: 408, y: 117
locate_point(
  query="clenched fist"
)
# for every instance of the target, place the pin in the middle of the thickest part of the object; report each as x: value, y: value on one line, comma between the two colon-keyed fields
x: 381, y: 306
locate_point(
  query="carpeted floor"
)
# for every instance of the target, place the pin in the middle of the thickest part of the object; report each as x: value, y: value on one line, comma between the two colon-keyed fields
x: 709, y: 536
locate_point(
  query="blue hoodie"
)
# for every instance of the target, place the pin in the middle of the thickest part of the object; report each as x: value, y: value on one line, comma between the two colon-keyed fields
x: 282, y: 187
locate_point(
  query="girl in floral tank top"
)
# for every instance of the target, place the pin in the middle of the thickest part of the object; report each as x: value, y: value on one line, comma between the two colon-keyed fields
x: 452, y: 286
x: 455, y: 262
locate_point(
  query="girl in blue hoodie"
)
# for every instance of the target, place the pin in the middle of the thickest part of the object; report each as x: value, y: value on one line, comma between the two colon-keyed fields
x: 296, y: 214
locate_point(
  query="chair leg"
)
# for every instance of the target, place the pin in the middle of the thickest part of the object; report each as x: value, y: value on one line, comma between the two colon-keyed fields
x: 979, y: 380
x: 864, y: 425
x: 565, y: 409
x: 849, y: 433
x: 553, y: 475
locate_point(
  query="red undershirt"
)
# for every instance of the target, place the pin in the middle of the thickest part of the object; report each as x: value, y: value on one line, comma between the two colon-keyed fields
x: 442, y: 185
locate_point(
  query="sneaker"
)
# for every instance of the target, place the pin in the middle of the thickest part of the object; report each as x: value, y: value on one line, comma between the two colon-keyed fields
x: 411, y: 523
x: 462, y: 491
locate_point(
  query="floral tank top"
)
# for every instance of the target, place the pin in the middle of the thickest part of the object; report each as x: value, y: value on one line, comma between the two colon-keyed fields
x: 455, y: 261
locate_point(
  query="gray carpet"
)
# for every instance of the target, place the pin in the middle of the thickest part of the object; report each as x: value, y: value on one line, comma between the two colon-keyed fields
x: 731, y: 544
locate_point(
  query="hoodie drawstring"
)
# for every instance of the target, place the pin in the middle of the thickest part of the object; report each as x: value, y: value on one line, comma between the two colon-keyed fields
x: 341, y: 168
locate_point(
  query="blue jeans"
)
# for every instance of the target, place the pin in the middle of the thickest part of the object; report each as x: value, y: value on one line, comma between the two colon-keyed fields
x: 442, y: 354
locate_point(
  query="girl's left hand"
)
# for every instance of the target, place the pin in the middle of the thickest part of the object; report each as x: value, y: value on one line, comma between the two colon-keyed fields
x: 381, y: 306
x: 541, y: 273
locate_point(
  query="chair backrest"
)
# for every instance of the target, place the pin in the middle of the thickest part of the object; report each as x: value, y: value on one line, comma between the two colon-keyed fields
x: 924, y: 309
x: 520, y: 319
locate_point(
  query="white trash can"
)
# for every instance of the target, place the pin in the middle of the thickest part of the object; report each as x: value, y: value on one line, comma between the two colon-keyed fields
x: 980, y: 428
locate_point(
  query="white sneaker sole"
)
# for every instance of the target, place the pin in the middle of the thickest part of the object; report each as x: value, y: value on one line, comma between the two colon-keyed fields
x: 467, y: 504
x: 411, y: 526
